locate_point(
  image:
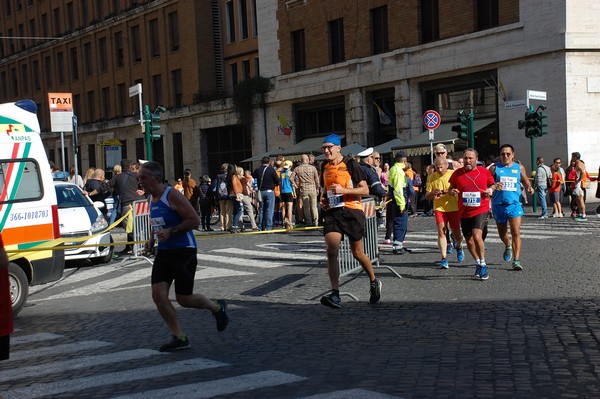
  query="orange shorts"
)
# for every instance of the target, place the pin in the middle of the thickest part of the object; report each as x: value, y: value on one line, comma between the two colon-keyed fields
x: 448, y: 217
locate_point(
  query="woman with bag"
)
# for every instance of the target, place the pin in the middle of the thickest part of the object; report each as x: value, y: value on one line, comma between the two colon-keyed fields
x: 234, y: 189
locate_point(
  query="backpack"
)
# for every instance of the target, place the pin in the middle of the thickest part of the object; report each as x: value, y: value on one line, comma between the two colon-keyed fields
x: 549, y: 181
x: 221, y: 188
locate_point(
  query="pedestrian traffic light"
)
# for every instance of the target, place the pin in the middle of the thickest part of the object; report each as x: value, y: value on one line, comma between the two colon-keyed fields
x: 462, y: 129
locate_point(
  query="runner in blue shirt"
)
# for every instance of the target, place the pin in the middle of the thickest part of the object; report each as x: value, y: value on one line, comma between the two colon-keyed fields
x: 506, y: 204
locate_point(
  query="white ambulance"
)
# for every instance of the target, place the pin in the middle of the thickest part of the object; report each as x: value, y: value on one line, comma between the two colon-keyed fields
x: 28, y: 208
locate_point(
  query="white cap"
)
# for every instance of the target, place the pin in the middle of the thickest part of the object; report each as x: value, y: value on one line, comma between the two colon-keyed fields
x: 366, y: 152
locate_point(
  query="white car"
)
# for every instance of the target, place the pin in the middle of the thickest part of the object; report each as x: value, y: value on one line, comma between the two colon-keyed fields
x: 78, y: 217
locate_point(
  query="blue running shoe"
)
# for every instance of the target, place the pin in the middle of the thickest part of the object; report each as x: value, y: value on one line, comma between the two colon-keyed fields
x: 444, y: 264
x: 516, y: 265
x: 477, y: 272
x: 460, y: 255
x: 449, y: 248
x: 483, y: 274
x: 507, y: 255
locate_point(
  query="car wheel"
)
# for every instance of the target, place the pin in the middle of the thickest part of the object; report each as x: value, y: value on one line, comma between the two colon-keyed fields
x: 108, y: 257
x: 19, y: 287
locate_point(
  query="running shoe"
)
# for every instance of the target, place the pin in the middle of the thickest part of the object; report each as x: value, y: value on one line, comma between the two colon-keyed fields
x: 460, y: 255
x: 507, y: 255
x: 387, y: 241
x: 483, y: 274
x: 332, y: 301
x: 175, y: 344
x: 516, y: 265
x: 375, y: 290
x: 543, y: 217
x: 221, y: 316
x: 444, y: 264
x: 400, y: 250
x: 449, y: 248
x: 477, y: 272
x: 580, y: 218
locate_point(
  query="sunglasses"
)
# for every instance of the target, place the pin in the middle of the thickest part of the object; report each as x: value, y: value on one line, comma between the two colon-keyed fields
x: 440, y: 153
x: 377, y: 158
x: 327, y: 147
x: 505, y: 154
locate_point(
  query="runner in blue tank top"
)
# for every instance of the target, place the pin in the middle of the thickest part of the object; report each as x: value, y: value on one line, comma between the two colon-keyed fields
x: 172, y: 220
x: 506, y: 204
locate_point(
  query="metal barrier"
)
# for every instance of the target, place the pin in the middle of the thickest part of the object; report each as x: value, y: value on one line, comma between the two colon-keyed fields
x: 141, y: 230
x: 347, y: 263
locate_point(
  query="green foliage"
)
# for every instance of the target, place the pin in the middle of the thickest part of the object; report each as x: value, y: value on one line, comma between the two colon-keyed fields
x: 245, y: 96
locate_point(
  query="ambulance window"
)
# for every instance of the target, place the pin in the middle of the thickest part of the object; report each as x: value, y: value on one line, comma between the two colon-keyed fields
x: 25, y: 175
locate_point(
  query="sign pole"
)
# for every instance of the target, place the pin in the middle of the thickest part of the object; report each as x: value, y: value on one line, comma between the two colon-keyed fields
x: 62, y: 149
x: 431, y: 136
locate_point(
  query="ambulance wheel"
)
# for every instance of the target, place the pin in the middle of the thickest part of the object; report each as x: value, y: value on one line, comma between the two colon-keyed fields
x: 19, y: 287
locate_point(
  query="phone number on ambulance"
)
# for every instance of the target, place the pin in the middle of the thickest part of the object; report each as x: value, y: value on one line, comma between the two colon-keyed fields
x: 28, y: 215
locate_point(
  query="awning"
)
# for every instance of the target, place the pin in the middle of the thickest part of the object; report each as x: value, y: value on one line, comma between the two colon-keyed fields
x: 257, y: 157
x: 386, y: 148
x: 353, y: 148
x: 419, y: 145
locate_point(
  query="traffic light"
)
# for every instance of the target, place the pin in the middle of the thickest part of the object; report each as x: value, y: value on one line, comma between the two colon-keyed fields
x: 540, y: 117
x: 531, y: 123
x: 150, y: 126
x: 462, y: 129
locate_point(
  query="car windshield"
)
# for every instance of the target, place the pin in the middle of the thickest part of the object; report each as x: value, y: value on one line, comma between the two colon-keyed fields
x: 70, y: 197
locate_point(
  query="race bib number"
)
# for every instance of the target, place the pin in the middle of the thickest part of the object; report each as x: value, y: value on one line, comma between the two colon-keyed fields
x: 335, y: 200
x: 509, y: 183
x: 471, y: 198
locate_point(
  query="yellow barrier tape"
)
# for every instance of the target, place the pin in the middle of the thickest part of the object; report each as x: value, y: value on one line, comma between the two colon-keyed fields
x: 55, y: 245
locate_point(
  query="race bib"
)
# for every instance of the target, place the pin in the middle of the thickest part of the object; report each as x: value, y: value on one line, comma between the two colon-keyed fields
x: 471, y: 198
x: 335, y: 200
x: 509, y: 183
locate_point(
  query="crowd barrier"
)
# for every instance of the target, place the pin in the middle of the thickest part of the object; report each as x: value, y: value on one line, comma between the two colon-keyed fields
x: 347, y: 264
x: 141, y: 230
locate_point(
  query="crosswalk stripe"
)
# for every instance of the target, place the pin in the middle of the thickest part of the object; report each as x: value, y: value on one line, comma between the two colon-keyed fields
x: 225, y: 386
x: 26, y: 339
x: 105, y: 285
x: 77, y: 384
x: 351, y: 394
x: 230, y: 260
x: 57, y: 350
x: 275, y: 255
x: 77, y: 363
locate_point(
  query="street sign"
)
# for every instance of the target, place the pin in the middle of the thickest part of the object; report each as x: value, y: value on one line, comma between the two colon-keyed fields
x: 536, y: 95
x: 431, y: 119
x: 431, y: 134
x: 515, y: 104
x: 61, y: 112
x: 135, y: 90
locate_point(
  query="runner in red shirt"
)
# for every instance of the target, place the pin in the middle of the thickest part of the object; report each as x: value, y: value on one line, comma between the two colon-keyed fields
x: 6, y: 323
x: 473, y: 185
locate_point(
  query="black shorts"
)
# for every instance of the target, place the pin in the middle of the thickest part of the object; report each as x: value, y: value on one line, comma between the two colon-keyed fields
x: 4, y: 347
x: 476, y: 222
x: 287, y: 197
x: 176, y: 264
x: 350, y: 222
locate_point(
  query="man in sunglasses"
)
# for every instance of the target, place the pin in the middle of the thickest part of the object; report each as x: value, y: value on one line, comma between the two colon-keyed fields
x: 343, y: 182
x: 506, y: 204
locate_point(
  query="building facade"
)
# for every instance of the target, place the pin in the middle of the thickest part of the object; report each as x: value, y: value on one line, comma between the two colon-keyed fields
x: 366, y: 70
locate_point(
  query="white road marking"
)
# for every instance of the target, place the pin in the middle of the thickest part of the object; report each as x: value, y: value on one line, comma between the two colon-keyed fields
x: 26, y: 339
x: 57, y: 350
x: 275, y: 255
x: 225, y: 386
x: 76, y: 364
x: 351, y: 394
x: 230, y: 260
x: 77, y: 384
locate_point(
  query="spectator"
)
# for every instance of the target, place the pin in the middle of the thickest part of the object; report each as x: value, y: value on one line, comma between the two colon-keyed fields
x: 555, y: 191
x: 179, y: 186
x: 189, y: 185
x: 542, y: 175
x: 287, y: 194
x: 89, y: 174
x: 126, y: 187
x: 267, y: 180
x: 579, y: 186
x: 306, y: 181
x: 75, y: 179
x: 205, y: 203
x: 400, y: 189
x: 234, y: 190
x: 248, y: 192
x: 221, y: 195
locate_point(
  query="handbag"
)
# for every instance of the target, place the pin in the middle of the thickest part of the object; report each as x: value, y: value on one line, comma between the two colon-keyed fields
x: 259, y: 194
